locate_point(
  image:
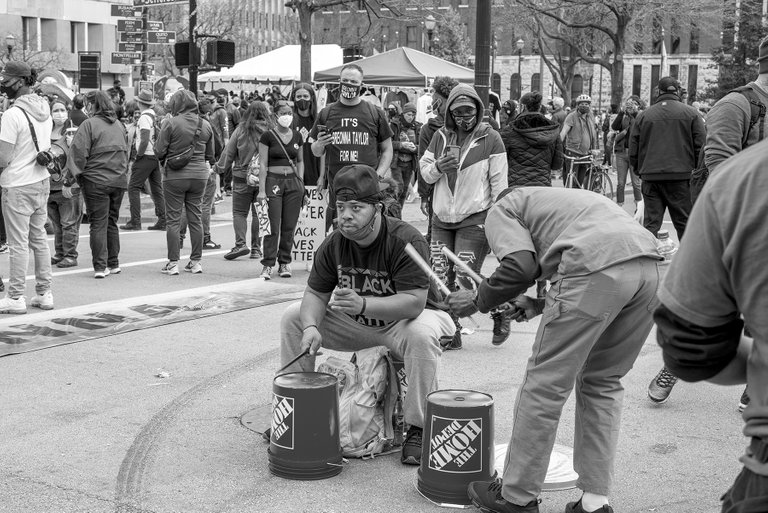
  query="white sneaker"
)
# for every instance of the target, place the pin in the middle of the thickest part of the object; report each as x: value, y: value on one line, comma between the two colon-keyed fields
x: 101, y: 274
x: 43, y: 301
x: 9, y: 305
x: 114, y: 270
x: 194, y: 267
x: 171, y: 269
x: 266, y: 272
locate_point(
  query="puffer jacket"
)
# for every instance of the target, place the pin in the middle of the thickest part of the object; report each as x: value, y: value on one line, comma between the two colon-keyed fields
x: 482, y: 172
x: 533, y: 148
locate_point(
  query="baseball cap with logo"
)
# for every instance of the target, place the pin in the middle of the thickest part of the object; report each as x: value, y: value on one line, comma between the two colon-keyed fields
x: 358, y: 182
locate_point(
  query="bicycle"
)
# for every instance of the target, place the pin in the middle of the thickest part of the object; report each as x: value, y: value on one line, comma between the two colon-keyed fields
x: 596, y: 178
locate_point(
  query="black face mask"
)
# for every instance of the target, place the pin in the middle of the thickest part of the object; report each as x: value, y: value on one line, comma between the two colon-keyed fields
x: 349, y: 91
x: 10, y: 90
x: 303, y: 104
x: 392, y: 113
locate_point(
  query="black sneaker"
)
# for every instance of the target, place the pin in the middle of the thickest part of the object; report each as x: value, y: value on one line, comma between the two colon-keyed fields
x: 160, y: 225
x: 502, y: 317
x: 575, y: 507
x: 236, y: 252
x: 130, y: 227
x: 486, y: 495
x: 209, y: 244
x: 411, y: 454
x: 661, y: 386
x: 743, y: 402
x: 451, y: 342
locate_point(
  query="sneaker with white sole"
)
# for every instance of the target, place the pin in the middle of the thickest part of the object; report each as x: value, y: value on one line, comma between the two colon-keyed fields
x: 266, y: 272
x: 9, y: 305
x: 661, y: 386
x: 43, y: 301
x: 99, y: 275
x: 114, y: 270
x: 284, y: 271
x: 171, y: 269
x: 194, y: 267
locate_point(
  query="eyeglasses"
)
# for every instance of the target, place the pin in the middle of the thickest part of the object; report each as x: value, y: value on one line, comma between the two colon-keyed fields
x: 465, y: 117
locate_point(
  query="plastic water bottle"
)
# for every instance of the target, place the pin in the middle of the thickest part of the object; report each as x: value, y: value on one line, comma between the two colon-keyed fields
x: 398, y: 423
x: 666, y: 246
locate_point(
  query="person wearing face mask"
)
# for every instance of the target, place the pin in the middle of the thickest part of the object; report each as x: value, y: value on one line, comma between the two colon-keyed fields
x: 304, y: 114
x: 25, y: 131
x: 282, y: 176
x: 579, y: 136
x: 393, y: 111
x: 365, y: 291
x: 64, y: 204
x: 405, y: 136
x: 354, y: 132
x: 622, y: 125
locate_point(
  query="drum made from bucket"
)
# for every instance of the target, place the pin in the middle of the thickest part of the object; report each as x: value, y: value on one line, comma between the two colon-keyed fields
x: 304, y: 441
x: 458, y: 446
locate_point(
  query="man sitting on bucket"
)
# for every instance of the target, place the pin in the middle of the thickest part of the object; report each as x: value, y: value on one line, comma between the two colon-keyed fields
x: 597, y: 314
x: 365, y: 291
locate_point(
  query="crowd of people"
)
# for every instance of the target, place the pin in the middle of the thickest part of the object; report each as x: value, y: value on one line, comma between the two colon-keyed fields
x: 484, y: 187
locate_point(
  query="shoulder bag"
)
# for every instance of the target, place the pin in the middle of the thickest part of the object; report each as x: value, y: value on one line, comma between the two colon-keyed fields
x: 179, y: 161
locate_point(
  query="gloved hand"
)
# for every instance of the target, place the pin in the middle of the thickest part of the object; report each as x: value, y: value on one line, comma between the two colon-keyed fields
x: 462, y: 303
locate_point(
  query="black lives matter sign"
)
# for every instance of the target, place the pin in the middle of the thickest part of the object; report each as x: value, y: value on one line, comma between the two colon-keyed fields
x: 455, y: 445
x: 282, y: 421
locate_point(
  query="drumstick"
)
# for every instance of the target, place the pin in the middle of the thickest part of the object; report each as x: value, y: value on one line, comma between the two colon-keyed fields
x: 411, y: 251
x: 462, y: 264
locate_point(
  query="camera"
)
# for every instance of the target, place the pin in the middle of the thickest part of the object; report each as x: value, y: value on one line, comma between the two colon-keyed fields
x: 44, y: 158
x: 55, y: 160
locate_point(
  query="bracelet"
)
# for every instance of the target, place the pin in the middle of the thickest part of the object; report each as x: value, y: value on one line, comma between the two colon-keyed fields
x: 362, y: 310
x: 310, y: 326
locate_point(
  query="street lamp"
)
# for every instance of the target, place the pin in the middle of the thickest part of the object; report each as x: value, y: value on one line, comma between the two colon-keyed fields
x: 10, y: 43
x: 430, y: 23
x: 519, y: 44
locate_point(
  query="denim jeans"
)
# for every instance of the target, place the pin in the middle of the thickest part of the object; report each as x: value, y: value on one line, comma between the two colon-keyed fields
x: 3, y: 235
x: 285, y: 195
x: 186, y: 193
x: 24, y: 210
x: 622, y: 171
x: 103, y: 204
x: 402, y: 173
x: 64, y: 214
x: 146, y: 168
x: 468, y: 243
x: 658, y: 196
x: 244, y: 201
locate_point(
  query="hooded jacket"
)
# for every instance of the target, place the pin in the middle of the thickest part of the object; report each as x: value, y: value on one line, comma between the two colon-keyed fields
x: 666, y: 139
x: 428, y: 129
x: 22, y: 167
x: 240, y: 150
x: 178, y: 133
x: 482, y: 171
x: 398, y: 125
x: 100, y: 151
x: 533, y: 148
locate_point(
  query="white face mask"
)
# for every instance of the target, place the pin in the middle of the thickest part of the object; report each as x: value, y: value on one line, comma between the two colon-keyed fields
x: 285, y: 120
x: 59, y: 117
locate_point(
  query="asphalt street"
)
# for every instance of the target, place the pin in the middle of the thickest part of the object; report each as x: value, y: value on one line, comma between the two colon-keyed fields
x: 92, y: 427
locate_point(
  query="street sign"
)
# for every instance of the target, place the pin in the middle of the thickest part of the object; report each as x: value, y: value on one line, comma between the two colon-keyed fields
x: 161, y: 37
x: 125, y: 11
x: 132, y: 25
x: 125, y: 58
x: 130, y: 47
x: 149, y: 85
x: 131, y: 37
x: 155, y: 25
x: 89, y: 67
x: 141, y: 3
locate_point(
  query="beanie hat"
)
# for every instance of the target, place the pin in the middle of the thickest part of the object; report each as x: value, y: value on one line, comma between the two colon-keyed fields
x: 762, y: 56
x: 409, y: 107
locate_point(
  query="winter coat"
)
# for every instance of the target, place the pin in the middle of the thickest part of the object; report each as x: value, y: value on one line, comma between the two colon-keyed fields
x: 533, y: 149
x: 100, y: 151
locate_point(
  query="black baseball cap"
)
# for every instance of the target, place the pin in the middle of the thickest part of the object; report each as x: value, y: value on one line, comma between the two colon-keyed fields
x: 358, y: 182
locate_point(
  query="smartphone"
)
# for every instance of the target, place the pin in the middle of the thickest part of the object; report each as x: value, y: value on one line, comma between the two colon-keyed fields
x: 321, y: 129
x: 455, y: 151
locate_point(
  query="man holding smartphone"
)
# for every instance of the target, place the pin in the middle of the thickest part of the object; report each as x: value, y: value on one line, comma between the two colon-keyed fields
x: 356, y: 132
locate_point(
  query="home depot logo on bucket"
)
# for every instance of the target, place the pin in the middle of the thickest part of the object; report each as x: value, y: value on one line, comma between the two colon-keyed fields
x: 455, y: 445
x: 282, y: 421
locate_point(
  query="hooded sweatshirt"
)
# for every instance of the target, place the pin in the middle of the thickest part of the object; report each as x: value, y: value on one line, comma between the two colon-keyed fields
x: 177, y: 135
x: 14, y: 129
x: 99, y: 151
x: 240, y: 150
x: 533, y: 148
x: 482, y: 172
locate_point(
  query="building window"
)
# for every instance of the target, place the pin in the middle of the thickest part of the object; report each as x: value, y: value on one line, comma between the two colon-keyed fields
x: 694, y: 42
x: 674, y: 46
x: 412, y: 36
x: 637, y: 79
x: 514, y: 86
x: 693, y: 78
x: 655, y: 72
x: 536, y: 82
x: 496, y: 83
x: 674, y: 71
x: 30, y: 34
x: 577, y: 86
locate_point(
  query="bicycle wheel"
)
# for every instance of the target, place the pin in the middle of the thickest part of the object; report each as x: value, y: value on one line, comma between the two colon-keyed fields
x: 601, y: 183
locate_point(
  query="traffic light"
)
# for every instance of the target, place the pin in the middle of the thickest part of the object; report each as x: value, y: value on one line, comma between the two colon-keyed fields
x: 352, y: 53
x: 220, y: 53
x: 181, y: 54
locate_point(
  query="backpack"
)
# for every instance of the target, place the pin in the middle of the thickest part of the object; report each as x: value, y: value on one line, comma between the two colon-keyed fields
x: 368, y: 391
x: 757, y: 116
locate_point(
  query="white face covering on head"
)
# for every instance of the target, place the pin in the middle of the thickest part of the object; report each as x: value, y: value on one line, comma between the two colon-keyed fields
x: 285, y: 120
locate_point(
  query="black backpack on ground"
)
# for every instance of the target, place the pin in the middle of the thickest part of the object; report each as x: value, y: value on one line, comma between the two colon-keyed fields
x: 757, y: 116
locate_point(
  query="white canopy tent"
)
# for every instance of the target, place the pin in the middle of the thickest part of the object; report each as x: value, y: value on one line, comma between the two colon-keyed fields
x: 282, y: 64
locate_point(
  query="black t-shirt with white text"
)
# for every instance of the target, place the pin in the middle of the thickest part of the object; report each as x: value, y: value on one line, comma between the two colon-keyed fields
x: 357, y: 131
x: 379, y: 270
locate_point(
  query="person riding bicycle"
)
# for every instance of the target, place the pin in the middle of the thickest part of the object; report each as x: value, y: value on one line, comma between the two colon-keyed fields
x: 579, y: 136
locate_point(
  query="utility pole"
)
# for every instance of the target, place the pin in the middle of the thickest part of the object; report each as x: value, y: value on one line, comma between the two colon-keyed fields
x: 193, y: 53
x: 145, y: 46
x: 483, y: 50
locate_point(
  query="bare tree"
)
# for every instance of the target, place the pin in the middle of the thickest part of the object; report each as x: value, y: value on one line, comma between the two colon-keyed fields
x: 38, y: 59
